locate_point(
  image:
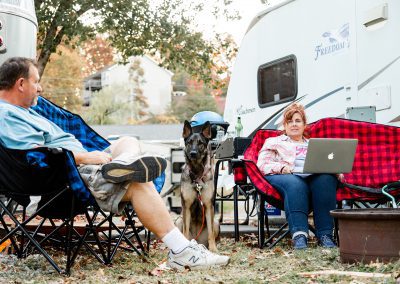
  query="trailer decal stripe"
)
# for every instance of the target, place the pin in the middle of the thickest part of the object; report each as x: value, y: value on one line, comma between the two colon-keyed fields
x: 270, y: 123
x: 323, y: 97
x: 272, y: 119
x: 366, y: 82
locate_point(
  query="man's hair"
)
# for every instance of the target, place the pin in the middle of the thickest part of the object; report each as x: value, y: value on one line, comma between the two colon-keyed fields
x: 13, y: 69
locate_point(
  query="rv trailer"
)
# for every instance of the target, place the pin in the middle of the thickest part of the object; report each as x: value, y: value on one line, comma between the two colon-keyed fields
x: 18, y: 27
x: 339, y: 58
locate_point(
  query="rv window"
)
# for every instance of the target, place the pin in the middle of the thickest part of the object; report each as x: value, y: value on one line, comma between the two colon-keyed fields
x: 277, y: 81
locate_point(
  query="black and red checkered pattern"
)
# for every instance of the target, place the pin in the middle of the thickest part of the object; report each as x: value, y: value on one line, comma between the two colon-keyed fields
x: 377, y: 160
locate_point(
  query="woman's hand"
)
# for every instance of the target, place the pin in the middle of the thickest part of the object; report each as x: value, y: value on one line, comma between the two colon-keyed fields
x: 340, y: 177
x: 92, y: 158
x: 286, y: 170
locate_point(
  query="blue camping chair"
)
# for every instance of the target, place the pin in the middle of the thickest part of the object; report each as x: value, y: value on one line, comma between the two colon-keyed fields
x: 52, y: 174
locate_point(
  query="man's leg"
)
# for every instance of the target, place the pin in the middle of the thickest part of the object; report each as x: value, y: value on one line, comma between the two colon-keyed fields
x: 125, y: 145
x: 150, y: 208
x: 129, y: 164
x: 153, y: 214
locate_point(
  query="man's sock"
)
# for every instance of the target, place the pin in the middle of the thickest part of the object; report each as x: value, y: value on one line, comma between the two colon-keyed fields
x: 175, y: 240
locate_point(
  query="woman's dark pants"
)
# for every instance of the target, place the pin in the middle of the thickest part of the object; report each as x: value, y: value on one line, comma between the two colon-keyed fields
x: 316, y: 192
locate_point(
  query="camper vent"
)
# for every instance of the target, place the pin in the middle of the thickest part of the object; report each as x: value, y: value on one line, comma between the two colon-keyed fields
x: 376, y: 15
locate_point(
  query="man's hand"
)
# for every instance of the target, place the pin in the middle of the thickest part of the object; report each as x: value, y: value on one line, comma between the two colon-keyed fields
x: 92, y: 158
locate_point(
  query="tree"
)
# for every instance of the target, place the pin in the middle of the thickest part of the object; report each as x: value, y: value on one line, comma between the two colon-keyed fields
x: 62, y: 80
x: 97, y: 53
x: 192, y: 104
x: 137, y: 99
x: 133, y: 28
x: 105, y: 108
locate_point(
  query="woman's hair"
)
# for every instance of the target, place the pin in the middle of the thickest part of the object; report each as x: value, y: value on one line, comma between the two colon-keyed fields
x: 288, y: 115
x: 291, y: 110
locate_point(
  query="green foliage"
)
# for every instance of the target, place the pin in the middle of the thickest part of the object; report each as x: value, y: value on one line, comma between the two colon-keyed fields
x: 191, y: 104
x: 136, y: 79
x: 180, y: 79
x: 164, y: 30
x: 62, y: 80
x: 107, y: 106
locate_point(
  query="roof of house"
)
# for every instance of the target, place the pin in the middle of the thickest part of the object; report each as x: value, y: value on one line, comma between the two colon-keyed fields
x: 98, y: 73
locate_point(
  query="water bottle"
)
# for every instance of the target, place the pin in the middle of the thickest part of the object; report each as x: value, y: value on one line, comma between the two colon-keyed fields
x: 239, y: 127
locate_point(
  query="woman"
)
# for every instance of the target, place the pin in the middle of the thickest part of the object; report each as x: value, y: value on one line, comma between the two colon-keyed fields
x: 281, y: 160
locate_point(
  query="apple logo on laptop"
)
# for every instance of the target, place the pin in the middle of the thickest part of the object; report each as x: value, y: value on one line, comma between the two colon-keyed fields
x: 331, y: 156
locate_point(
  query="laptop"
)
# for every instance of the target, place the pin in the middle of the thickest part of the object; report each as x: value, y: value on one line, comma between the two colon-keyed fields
x: 330, y: 155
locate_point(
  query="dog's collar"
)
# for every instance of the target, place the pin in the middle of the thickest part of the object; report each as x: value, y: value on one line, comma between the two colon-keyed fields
x: 199, y: 179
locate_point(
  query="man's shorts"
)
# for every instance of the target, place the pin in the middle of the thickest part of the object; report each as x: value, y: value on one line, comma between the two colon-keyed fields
x: 108, y: 195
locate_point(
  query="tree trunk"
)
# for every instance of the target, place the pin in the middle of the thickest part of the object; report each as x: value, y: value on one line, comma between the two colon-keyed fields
x: 49, y: 45
x: 53, y: 36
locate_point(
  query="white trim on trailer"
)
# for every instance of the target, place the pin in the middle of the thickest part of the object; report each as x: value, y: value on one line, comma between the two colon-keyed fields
x: 339, y: 58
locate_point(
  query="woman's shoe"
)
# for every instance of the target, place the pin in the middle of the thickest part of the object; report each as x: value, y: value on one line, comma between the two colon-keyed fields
x: 326, y: 241
x: 300, y: 242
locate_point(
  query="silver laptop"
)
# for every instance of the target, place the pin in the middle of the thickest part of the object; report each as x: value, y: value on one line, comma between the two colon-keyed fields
x: 330, y: 155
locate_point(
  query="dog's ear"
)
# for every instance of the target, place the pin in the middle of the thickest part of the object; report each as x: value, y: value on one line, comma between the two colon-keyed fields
x: 206, y: 130
x: 187, y: 130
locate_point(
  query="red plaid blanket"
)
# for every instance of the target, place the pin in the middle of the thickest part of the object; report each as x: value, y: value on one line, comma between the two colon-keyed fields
x: 377, y: 160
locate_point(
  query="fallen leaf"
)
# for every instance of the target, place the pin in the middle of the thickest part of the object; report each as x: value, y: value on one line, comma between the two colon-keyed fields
x: 326, y: 251
x: 159, y: 270
x: 100, y: 271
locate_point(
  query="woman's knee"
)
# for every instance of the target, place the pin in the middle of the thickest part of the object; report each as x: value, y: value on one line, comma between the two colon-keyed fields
x: 324, y: 181
x: 289, y: 185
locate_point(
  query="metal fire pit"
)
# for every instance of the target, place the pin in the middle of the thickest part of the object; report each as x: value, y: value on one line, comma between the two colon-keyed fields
x: 367, y: 235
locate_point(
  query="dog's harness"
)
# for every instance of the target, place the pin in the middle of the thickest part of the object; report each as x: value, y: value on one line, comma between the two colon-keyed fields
x: 199, y: 187
x: 198, y: 180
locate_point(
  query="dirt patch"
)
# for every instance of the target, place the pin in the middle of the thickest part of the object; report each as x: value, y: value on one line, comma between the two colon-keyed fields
x: 248, y: 265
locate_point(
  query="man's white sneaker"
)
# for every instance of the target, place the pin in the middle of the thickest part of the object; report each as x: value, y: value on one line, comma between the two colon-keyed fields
x: 195, y: 256
x: 126, y: 167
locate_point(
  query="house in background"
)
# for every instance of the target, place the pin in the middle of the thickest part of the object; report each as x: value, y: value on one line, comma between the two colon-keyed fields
x: 157, y: 85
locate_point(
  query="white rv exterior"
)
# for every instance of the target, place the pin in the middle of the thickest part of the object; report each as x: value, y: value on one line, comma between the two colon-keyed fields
x: 328, y: 55
x: 18, y: 27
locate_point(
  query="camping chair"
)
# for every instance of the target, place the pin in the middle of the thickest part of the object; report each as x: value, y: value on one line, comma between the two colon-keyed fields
x: 376, y: 166
x: 75, y: 125
x: 228, y: 153
x: 21, y: 177
x: 52, y: 174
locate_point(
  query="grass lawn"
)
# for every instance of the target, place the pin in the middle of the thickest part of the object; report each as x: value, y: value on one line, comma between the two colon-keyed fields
x: 248, y: 265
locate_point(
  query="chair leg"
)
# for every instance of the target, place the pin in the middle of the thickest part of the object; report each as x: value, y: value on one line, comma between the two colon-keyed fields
x: 284, y: 234
x: 148, y: 240
x: 70, y: 225
x: 236, y: 211
x: 34, y: 242
x: 261, y: 215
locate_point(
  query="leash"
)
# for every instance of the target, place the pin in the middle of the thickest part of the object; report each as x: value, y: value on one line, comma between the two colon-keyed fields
x: 198, y: 189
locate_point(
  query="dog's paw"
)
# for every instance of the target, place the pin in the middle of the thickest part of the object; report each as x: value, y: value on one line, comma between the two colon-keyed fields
x: 213, y: 249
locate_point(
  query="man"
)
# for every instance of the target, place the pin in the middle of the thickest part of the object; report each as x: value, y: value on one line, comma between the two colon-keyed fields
x: 116, y: 176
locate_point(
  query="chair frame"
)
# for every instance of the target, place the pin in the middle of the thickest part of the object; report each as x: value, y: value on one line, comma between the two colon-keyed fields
x: 356, y: 194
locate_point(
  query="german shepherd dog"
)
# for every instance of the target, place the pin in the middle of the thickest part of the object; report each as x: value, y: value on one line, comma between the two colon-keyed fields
x: 197, y: 188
